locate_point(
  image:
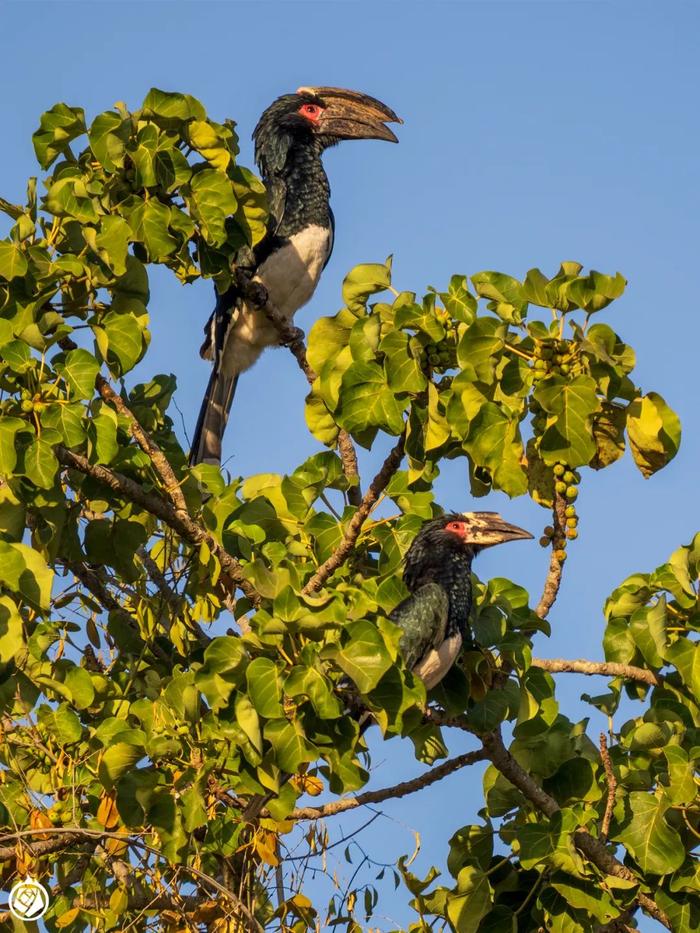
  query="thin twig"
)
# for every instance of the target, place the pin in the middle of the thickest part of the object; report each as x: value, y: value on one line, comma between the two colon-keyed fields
x: 146, y: 443
x: 352, y: 532
x: 179, y: 521
x: 612, y: 787
x: 387, y: 793
x: 556, y: 566
x: 604, y: 668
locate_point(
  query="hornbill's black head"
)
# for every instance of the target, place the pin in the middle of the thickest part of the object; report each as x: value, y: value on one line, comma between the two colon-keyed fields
x: 318, y: 117
x: 454, y: 538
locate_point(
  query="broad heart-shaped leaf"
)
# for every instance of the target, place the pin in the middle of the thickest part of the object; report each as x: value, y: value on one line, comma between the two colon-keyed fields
x: 366, y: 401
x: 310, y: 682
x: 585, y: 895
x: 170, y: 109
x: 125, y: 336
x: 13, y: 260
x: 117, y: 760
x: 685, y: 656
x: 609, y: 435
x: 57, y: 127
x: 9, y: 428
x: 24, y: 571
x: 289, y: 743
x: 327, y: 337
x: 40, y: 463
x: 223, y: 669
x: 365, y: 280
x: 494, y: 442
x: 150, y: 222
x: 363, y: 655
x: 654, y: 432
x: 211, y: 200
x: 571, y: 403
x: 108, y: 135
x: 458, y: 300
x: 265, y: 688
x: 472, y: 900
x: 654, y: 845
x: 403, y: 372
x: 79, y: 369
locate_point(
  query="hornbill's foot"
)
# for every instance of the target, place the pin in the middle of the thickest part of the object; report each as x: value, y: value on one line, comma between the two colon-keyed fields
x: 256, y: 293
x: 291, y: 335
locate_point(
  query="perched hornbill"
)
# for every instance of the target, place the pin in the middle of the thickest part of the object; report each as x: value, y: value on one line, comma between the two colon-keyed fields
x: 437, y: 571
x: 289, y: 141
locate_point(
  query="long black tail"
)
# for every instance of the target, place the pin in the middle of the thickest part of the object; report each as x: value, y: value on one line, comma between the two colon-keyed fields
x: 213, y: 415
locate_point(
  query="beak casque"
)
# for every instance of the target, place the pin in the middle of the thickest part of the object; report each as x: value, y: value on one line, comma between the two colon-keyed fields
x: 352, y: 115
x: 489, y: 528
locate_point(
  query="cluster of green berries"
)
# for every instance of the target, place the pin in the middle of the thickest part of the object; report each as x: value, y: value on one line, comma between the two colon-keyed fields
x: 442, y: 355
x: 566, y: 482
x: 552, y: 358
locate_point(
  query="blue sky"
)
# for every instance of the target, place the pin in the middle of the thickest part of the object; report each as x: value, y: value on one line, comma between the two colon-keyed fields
x: 534, y: 132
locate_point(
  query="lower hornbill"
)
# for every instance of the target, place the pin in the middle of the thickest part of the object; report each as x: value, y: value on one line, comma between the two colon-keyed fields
x: 290, y: 139
x: 437, y: 572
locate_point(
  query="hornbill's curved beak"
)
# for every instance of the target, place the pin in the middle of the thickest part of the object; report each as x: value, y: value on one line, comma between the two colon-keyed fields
x: 489, y: 528
x: 352, y: 115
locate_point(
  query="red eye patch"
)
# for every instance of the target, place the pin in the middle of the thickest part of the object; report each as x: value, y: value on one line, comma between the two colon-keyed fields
x: 312, y: 112
x: 457, y: 527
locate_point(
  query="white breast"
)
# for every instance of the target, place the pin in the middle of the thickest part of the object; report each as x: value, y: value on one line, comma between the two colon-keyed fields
x: 433, y: 666
x: 290, y: 275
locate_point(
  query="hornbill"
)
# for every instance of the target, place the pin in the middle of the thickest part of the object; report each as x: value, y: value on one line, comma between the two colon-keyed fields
x: 437, y: 572
x: 290, y: 139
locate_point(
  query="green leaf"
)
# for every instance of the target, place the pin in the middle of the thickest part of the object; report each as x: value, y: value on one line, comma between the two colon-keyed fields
x: 150, y: 221
x: 9, y: 428
x: 291, y: 746
x: 223, y: 669
x: 57, y: 127
x: 23, y: 570
x: 571, y: 403
x: 472, y: 901
x: 40, y: 463
x: 311, y: 683
x: 494, y: 442
x: 654, y: 432
x: 125, y: 336
x: 363, y: 656
x: 247, y: 718
x: 80, y: 370
x: 584, y: 895
x: 681, y: 776
x: 117, y: 760
x: 365, y: 280
x: 368, y: 402
x: 112, y: 243
x: 170, y: 109
x: 647, y: 836
x: 13, y: 260
x: 81, y: 687
x: 265, y: 688
x: 108, y: 135
x: 403, y: 372
x: 211, y: 200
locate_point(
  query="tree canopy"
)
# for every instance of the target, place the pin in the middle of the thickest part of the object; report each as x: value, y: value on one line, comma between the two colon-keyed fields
x: 182, y: 652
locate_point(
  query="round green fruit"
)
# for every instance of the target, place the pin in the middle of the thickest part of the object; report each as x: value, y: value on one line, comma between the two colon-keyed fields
x: 569, y: 478
x: 559, y: 469
x: 561, y: 488
x: 571, y: 493
x: 571, y: 522
x: 570, y: 511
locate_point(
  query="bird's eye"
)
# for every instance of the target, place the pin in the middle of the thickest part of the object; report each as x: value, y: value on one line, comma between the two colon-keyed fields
x: 310, y: 111
x: 455, y: 526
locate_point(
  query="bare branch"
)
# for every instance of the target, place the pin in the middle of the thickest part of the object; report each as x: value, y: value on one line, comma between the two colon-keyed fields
x: 592, y: 848
x: 146, y: 443
x: 604, y: 668
x: 387, y: 793
x: 556, y: 566
x: 341, y: 553
x: 612, y: 787
x: 179, y: 521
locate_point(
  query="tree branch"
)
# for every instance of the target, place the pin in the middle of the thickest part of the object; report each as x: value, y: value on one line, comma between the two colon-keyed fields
x: 146, y: 443
x: 398, y: 790
x: 352, y: 532
x: 592, y: 848
x: 612, y: 787
x: 179, y: 521
x: 556, y: 566
x: 604, y: 668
